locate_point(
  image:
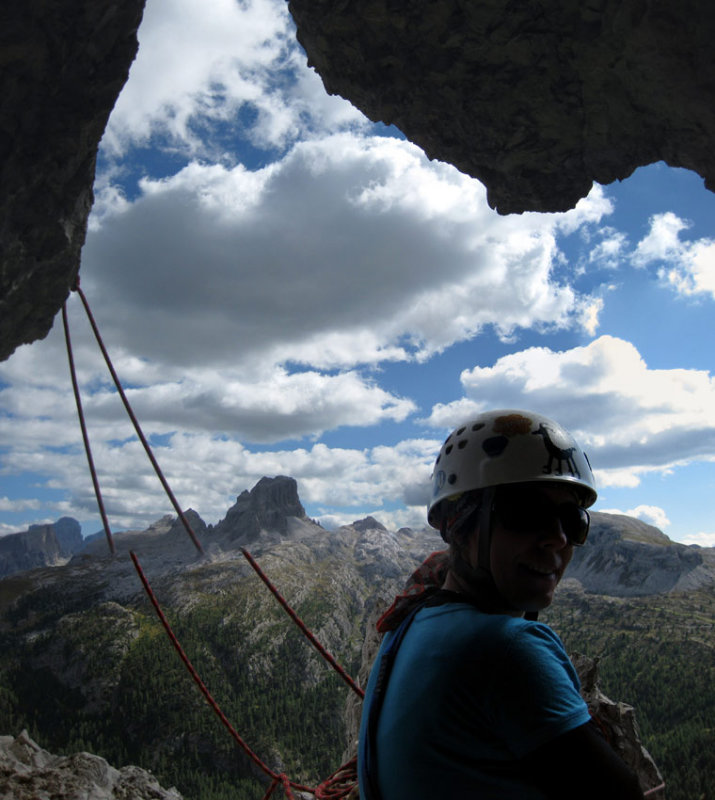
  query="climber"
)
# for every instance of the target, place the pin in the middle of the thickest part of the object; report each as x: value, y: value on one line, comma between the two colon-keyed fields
x: 469, y: 695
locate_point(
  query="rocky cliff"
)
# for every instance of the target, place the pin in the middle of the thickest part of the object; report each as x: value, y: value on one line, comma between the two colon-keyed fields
x: 27, y: 772
x: 41, y: 545
x: 267, y: 507
x: 535, y: 99
x: 64, y: 63
x: 624, y: 557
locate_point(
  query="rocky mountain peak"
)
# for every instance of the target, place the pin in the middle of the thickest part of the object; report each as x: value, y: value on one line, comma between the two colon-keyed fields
x: 265, y: 507
x: 40, y: 546
x: 68, y: 533
x: 368, y: 524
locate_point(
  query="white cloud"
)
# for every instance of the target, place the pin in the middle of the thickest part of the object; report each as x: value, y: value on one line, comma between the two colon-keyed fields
x: 6, y: 504
x: 609, y: 252
x: 653, y: 515
x: 197, y: 69
x: 266, y: 405
x: 592, y: 309
x: 702, y: 539
x: 349, y: 250
x: 629, y: 418
x: 689, y: 265
x: 208, y: 472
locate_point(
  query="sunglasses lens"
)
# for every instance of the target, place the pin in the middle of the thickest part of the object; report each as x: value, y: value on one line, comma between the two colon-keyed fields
x: 575, y: 522
x: 525, y: 513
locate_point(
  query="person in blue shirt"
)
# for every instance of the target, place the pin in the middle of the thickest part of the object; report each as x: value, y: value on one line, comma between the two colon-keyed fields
x: 470, y: 696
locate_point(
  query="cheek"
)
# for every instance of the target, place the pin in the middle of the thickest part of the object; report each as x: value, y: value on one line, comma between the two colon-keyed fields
x: 504, y: 550
x: 567, y: 555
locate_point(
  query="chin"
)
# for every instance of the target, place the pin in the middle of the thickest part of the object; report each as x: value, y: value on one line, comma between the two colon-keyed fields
x: 535, y: 603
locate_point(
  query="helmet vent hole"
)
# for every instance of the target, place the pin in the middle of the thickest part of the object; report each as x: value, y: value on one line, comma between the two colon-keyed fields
x: 448, y: 449
x: 452, y: 479
x: 460, y: 431
x: 462, y: 444
x: 438, y: 458
x: 477, y: 426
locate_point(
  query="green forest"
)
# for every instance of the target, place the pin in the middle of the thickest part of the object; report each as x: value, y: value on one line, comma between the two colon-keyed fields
x: 657, y: 654
x: 135, y: 703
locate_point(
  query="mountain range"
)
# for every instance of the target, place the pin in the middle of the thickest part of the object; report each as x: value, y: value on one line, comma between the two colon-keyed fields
x: 84, y: 664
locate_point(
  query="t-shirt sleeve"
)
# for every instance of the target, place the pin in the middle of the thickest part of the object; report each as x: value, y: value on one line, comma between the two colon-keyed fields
x: 537, y: 690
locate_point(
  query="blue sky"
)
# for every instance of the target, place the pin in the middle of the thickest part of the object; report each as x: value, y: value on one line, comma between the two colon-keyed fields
x: 286, y: 288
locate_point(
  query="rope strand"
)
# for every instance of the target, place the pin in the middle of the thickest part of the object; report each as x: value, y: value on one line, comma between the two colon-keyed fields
x: 135, y: 422
x: 276, y: 777
x: 85, y: 435
x: 303, y: 627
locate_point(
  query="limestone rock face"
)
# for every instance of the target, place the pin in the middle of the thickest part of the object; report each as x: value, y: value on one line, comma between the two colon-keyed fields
x: 40, y: 546
x: 63, y: 63
x: 27, y: 772
x: 535, y: 99
x: 641, y: 561
x: 266, y: 507
x: 69, y: 535
x: 368, y: 524
x: 618, y: 723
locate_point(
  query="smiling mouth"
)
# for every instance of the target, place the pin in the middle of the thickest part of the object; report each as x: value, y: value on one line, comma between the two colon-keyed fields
x: 544, y: 572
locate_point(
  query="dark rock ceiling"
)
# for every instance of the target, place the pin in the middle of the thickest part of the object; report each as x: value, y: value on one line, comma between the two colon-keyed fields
x: 62, y: 66
x: 535, y: 98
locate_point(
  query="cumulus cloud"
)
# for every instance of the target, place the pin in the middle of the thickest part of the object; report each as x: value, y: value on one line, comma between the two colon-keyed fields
x: 610, y: 251
x: 349, y: 250
x: 653, y: 515
x: 702, y: 539
x: 687, y: 266
x: 6, y: 504
x: 196, y: 70
x: 631, y: 419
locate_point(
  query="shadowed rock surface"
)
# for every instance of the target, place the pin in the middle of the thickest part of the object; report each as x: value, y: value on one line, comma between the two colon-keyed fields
x: 266, y: 507
x: 64, y: 63
x: 624, y: 557
x: 27, y: 772
x: 40, y: 546
x: 535, y: 99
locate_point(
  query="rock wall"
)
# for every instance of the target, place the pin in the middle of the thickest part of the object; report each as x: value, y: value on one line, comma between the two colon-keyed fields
x: 610, y: 563
x: 27, y: 772
x: 266, y: 506
x: 40, y: 546
x: 538, y: 98
x: 63, y: 64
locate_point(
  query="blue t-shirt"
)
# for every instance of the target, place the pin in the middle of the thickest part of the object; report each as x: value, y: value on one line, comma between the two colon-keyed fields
x: 469, y: 695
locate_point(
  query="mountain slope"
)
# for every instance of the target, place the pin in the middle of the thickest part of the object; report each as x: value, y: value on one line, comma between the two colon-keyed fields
x: 84, y: 663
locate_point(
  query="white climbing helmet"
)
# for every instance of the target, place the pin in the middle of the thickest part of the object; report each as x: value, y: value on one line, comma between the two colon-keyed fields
x: 508, y: 446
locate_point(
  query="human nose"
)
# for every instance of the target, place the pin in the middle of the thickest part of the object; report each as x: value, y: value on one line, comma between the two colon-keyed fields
x: 552, y: 534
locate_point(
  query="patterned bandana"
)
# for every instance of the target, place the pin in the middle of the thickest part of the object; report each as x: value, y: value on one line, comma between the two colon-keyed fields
x: 424, y: 581
x: 457, y: 511
x: 431, y: 574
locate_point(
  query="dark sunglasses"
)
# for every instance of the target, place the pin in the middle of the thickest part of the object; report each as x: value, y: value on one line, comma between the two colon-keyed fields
x: 530, y: 512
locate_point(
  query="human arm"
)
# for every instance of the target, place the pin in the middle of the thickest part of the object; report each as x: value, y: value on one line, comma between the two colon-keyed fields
x: 580, y: 763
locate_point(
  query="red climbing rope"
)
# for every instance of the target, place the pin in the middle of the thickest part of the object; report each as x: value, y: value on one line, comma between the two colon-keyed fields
x: 134, y: 420
x: 311, y: 638
x: 85, y: 436
x: 335, y: 787
x: 276, y: 777
x: 344, y: 779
